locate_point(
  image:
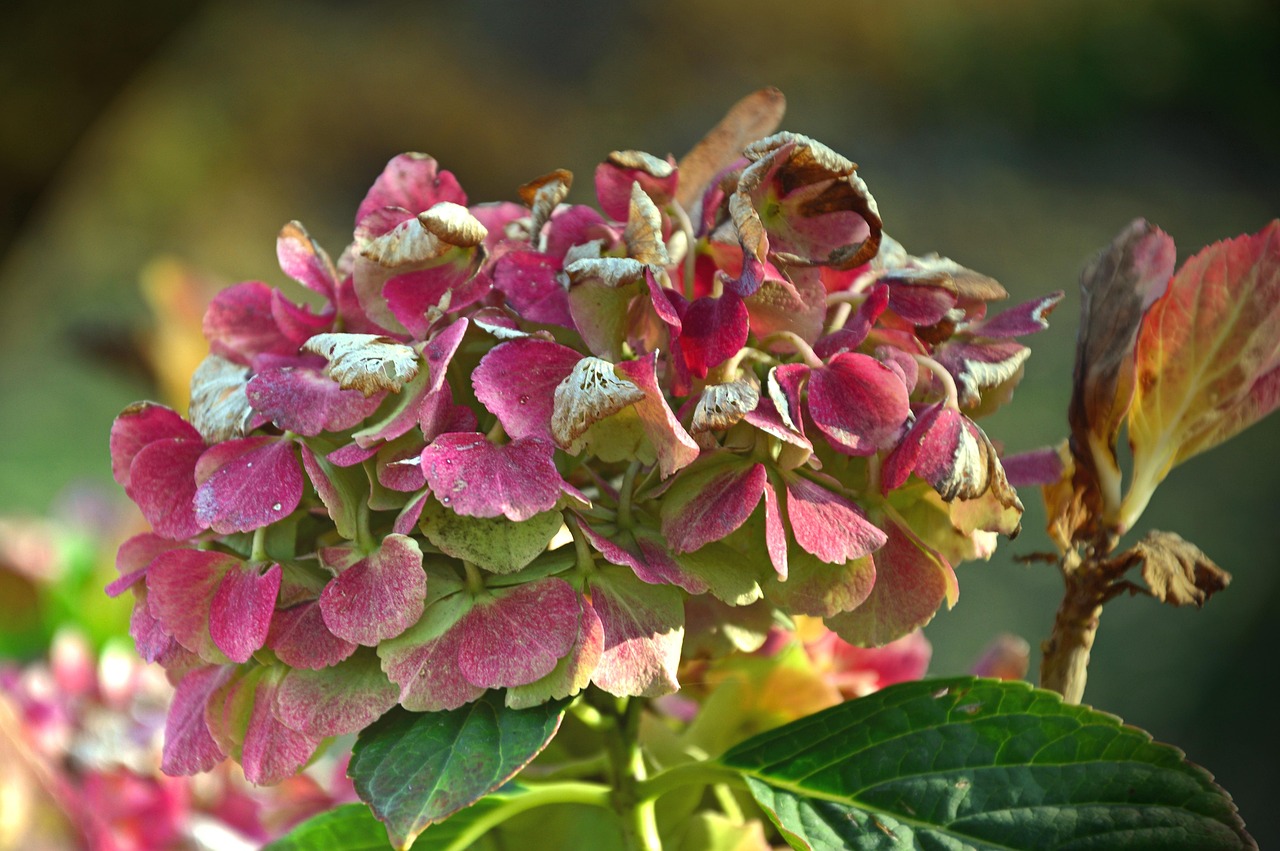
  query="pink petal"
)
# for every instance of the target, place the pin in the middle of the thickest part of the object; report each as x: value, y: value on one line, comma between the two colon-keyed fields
x: 1026, y: 318
x: 517, y: 635
x: 424, y: 660
x: 304, y: 400
x: 240, y: 324
x: 775, y: 534
x: 645, y: 553
x: 516, y: 381
x: 712, y: 331
x: 531, y: 282
x: 139, y: 425
x: 414, y: 182
x: 710, y: 500
x: 439, y: 350
x: 378, y: 597
x: 162, y: 481
x: 247, y: 483
x: 188, y: 746
x: 242, y: 718
x: 240, y: 611
x: 335, y: 701
x: 180, y: 588
x: 858, y: 403
x: 134, y: 557
x: 674, y: 446
x: 478, y: 479
x: 643, y: 631
x: 820, y: 589
x: 305, y: 261
x: 300, y: 639
x: 1035, y: 467
x: 828, y: 525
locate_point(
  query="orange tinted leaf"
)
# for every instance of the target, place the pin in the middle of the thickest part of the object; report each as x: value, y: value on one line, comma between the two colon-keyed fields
x: 1207, y: 358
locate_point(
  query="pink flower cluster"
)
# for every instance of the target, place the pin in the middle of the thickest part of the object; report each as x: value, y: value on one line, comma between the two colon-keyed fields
x: 725, y: 384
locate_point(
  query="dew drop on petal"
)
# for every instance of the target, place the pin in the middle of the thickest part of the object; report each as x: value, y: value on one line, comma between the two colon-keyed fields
x: 524, y: 400
x: 276, y: 507
x: 446, y: 500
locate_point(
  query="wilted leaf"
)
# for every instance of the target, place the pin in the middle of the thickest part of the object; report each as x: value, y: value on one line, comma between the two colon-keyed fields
x: 365, y: 362
x: 754, y: 117
x: 1178, y: 572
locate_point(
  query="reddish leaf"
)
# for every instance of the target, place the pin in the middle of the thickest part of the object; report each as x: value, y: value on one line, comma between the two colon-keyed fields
x: 516, y: 635
x: 188, y: 746
x: 1208, y: 358
x: 643, y: 630
x: 378, y: 597
x: 828, y: 525
x: 478, y: 479
x: 248, y: 483
x: 517, y: 380
x: 334, y: 701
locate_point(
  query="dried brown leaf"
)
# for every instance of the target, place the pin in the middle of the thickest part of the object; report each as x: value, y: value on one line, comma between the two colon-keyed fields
x: 1178, y: 572
x: 754, y: 117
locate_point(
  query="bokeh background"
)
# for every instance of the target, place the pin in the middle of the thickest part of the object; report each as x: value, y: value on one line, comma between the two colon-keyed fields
x: 147, y: 145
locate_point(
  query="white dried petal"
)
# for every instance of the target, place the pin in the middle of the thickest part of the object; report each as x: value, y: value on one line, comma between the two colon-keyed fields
x: 453, y: 225
x: 543, y: 195
x: 586, y: 396
x: 610, y: 271
x: 644, y: 229
x: 722, y: 405
x: 220, y: 408
x: 365, y: 362
x: 642, y: 161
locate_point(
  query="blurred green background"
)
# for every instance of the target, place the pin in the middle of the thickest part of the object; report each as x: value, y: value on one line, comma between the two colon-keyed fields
x: 1016, y: 138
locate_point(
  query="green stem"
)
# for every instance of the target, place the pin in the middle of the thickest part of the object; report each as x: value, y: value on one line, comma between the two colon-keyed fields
x: 534, y: 795
x: 796, y: 342
x: 259, y: 551
x: 475, y: 579
x: 639, y: 817
x: 701, y: 772
x: 625, y: 491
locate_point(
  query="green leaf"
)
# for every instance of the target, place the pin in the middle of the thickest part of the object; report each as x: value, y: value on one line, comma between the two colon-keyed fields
x: 494, y: 543
x: 354, y: 827
x: 416, y: 768
x: 982, y: 764
x: 350, y: 827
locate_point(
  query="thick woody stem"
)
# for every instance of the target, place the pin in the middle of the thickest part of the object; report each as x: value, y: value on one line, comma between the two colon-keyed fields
x: 1089, y: 583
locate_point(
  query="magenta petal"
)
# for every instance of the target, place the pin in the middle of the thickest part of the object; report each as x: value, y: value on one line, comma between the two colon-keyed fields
x: 645, y: 552
x: 240, y: 611
x: 517, y: 635
x: 134, y: 557
x: 477, y: 479
x: 180, y: 588
x: 911, y: 582
x: 297, y: 322
x: 1036, y: 467
x: 242, y: 718
x: 710, y: 500
x: 412, y: 296
x: 140, y: 425
x: 1026, y: 318
x: 828, y: 525
x: 858, y: 403
x: 920, y: 304
x: 247, y: 483
x: 712, y: 331
x: 438, y: 414
x: 379, y: 596
x: 424, y: 660
x: 440, y: 348
x: 531, y: 282
x: 305, y: 261
x: 674, y: 446
x: 188, y: 746
x: 162, y: 481
x: 153, y: 641
x: 775, y: 534
x: 412, y: 181
x: 240, y: 324
x: 517, y: 380
x: 300, y: 639
x: 643, y: 632
x: 306, y: 401
x: 335, y: 701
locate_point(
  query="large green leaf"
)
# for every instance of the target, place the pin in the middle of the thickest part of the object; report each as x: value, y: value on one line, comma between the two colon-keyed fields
x: 416, y: 768
x: 353, y: 827
x: 981, y: 764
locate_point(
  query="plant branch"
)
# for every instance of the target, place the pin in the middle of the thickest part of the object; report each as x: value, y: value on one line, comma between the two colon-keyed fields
x: 1090, y: 581
x: 534, y: 795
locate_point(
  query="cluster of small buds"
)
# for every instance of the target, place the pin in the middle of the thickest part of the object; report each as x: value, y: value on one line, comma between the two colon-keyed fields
x: 532, y: 446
